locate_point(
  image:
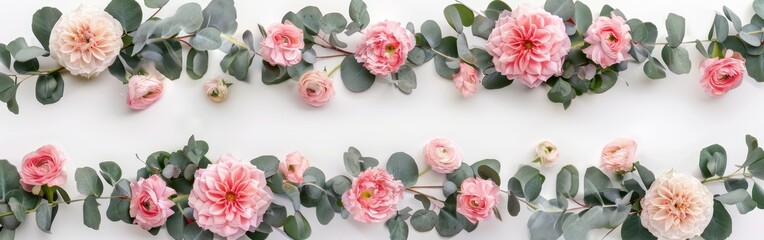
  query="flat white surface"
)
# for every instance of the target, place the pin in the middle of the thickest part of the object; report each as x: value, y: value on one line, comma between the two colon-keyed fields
x: 672, y: 119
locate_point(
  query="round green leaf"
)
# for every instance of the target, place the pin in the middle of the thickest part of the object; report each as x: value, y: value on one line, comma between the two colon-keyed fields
x: 42, y: 23
x: 495, y: 8
x: 424, y: 220
x: 88, y: 182
x: 197, y: 63
x: 448, y: 225
x: 675, y: 28
x: 207, y: 39
x: 355, y: 76
x: 50, y: 88
x: 297, y: 227
x: 654, y: 69
x: 311, y: 18
x: 90, y: 212
x: 333, y: 23
x: 431, y: 32
x: 127, y: 12
x: 403, y: 167
x: 562, y: 8
x: 459, y: 16
x: 721, y: 223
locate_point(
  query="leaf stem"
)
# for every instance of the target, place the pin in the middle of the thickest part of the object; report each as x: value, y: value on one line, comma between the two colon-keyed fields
x: 179, y: 198
x: 235, y: 41
x: 443, y: 54
x: 155, y: 13
x: 426, y: 169
x: 731, y: 176
x: 331, y: 72
x: 426, y: 195
x: 332, y: 56
x: 330, y: 46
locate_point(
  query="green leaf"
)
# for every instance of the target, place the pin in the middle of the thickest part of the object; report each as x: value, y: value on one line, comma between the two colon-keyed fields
x: 192, y: 231
x: 175, y: 224
x: 721, y: 27
x: 424, y: 199
x: 352, y: 160
x: 721, y: 223
x: 18, y: 212
x: 482, y: 27
x: 758, y: 7
x: 119, y: 208
x: 494, y: 164
x: 7, y: 234
x: 495, y: 81
x: 268, y: 164
x: 7, y: 88
x: 594, y: 182
x: 460, y: 174
x: 713, y: 161
x: 50, y: 88
x: 207, y: 39
x: 167, y: 56
x: 359, y: 14
x: 448, y: 225
x: 632, y: 229
x: 561, y: 92
x: 513, y: 205
x: 567, y: 181
x: 29, y: 53
x: 274, y: 74
x: 195, y: 150
x: 275, y: 215
x: 459, y: 16
x: 44, y: 216
x: 297, y: 227
x: 582, y: 17
x: 495, y: 8
x: 355, y: 76
x: 562, y: 8
x: 675, y: 29
x: 532, y: 188
x: 220, y: 14
x: 463, y: 49
x: 677, y: 59
x: 155, y: 3
x: 654, y: 69
x: 90, y: 212
x: 333, y: 23
x: 486, y: 172
x: 431, y: 32
x: 733, y: 197
x: 645, y: 174
x: 5, y: 56
x: 403, y: 167
x: 736, y: 23
x: 111, y: 172
x: 9, y: 178
x: 397, y: 228
x: 296, y: 71
x: 701, y: 49
x: 88, y: 182
x: 42, y: 23
x: 127, y: 12
x: 237, y: 62
x: 758, y: 195
x: 197, y: 63
x: 424, y: 220
x: 311, y: 18
x: 405, y: 79
x: 324, y: 210
x: 546, y: 225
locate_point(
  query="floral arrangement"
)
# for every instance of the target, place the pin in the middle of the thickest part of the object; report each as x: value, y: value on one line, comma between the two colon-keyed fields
x: 193, y: 197
x: 563, y: 46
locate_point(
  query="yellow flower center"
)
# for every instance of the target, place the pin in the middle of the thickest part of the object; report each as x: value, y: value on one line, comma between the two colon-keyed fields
x: 390, y: 49
x: 528, y: 45
x: 366, y: 194
x: 230, y: 197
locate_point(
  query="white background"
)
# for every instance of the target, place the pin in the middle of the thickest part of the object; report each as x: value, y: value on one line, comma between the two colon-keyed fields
x: 672, y: 119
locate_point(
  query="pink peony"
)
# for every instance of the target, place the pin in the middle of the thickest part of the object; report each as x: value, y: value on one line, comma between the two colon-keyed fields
x: 229, y: 197
x: 294, y: 167
x: 217, y: 89
x: 677, y: 206
x: 722, y: 75
x: 477, y: 199
x: 384, y: 47
x: 150, y: 204
x: 618, y: 155
x: 528, y: 44
x: 609, y: 40
x: 467, y: 80
x: 373, y: 196
x: 86, y: 41
x: 442, y: 155
x: 546, y: 154
x: 316, y: 88
x: 283, y: 45
x: 143, y: 91
x: 45, y: 166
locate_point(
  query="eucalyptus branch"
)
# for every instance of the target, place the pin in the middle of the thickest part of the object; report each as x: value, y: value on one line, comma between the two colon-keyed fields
x: 53, y: 204
x: 235, y: 41
x: 331, y: 47
x: 481, y: 13
x: 426, y: 195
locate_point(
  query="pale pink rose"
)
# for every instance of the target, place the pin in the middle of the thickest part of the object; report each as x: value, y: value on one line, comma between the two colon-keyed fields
x: 547, y: 154
x: 528, y: 44
x: 143, y: 91
x: 467, y: 80
x: 677, y: 206
x: 86, y: 41
x: 384, y: 47
x: 149, y: 203
x: 316, y: 88
x: 44, y: 166
x: 609, y: 40
x: 230, y: 197
x: 283, y: 45
x: 217, y: 89
x: 442, y: 155
x: 373, y: 197
x: 477, y: 199
x: 618, y: 155
x: 294, y: 167
x: 722, y: 75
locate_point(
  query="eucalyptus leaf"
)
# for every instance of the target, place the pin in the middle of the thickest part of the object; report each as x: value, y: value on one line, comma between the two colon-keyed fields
x: 654, y: 69
x: 297, y: 227
x: 44, y: 217
x: 90, y: 212
x: 677, y: 59
x: 333, y: 23
x: 675, y: 25
x: 268, y: 164
x: 736, y: 23
x: 220, y: 14
x: 424, y: 220
x: 155, y: 3
x: 88, y: 182
x: 49, y: 88
x: 127, y: 12
x: 459, y: 16
x: 720, y: 226
x: 197, y: 63
x: 403, y: 167
x: 495, y: 8
x: 355, y: 76
x: 207, y: 39
x: 432, y: 33
x: 562, y: 8
x: 582, y: 16
x: 43, y: 21
x: 721, y: 27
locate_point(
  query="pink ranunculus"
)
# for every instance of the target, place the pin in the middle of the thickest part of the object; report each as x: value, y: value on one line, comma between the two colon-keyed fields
x: 44, y: 166
x: 618, y: 155
x: 143, y: 91
x: 316, y: 88
x: 86, y: 41
x: 609, y: 40
x: 150, y: 204
x: 384, y: 47
x: 283, y: 45
x: 547, y: 154
x: 677, y: 206
x: 294, y: 167
x: 477, y: 199
x: 373, y: 197
x: 722, y: 75
x: 217, y: 89
x: 230, y: 197
x: 442, y: 155
x: 467, y: 80
x: 528, y: 44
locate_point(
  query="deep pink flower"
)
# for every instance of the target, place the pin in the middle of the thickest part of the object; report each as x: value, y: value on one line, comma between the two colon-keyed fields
x: 466, y: 80
x: 230, y: 197
x: 609, y: 40
x: 722, y: 75
x: 384, y: 47
x: 528, y: 44
x: 294, y: 167
x: 150, y: 204
x: 283, y: 45
x: 477, y: 199
x: 373, y: 197
x: 45, y: 166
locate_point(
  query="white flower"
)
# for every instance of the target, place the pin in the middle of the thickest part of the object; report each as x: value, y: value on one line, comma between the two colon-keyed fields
x: 217, y: 89
x: 86, y: 41
x: 546, y: 154
x: 677, y: 206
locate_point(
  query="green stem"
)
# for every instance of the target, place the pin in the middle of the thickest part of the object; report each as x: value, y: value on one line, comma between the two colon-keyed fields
x: 426, y: 169
x: 426, y: 195
x: 331, y: 72
x: 235, y: 41
x: 443, y: 54
x: 179, y: 198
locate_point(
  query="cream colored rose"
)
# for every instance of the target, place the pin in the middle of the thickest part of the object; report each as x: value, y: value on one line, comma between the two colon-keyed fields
x: 86, y: 41
x: 677, y: 206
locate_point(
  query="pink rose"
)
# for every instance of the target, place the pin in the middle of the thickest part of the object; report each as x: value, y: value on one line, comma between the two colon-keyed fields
x: 282, y: 45
x: 477, y: 199
x: 316, y: 88
x: 618, y: 155
x: 294, y: 167
x: 384, y: 47
x: 45, y: 166
x: 143, y: 91
x: 150, y: 204
x: 722, y: 75
x: 466, y: 80
x: 373, y: 196
x: 230, y: 197
x: 528, y: 44
x: 442, y: 155
x: 609, y: 40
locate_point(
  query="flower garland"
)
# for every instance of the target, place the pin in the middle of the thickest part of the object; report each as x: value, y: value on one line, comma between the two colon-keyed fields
x: 196, y: 198
x: 562, y: 46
